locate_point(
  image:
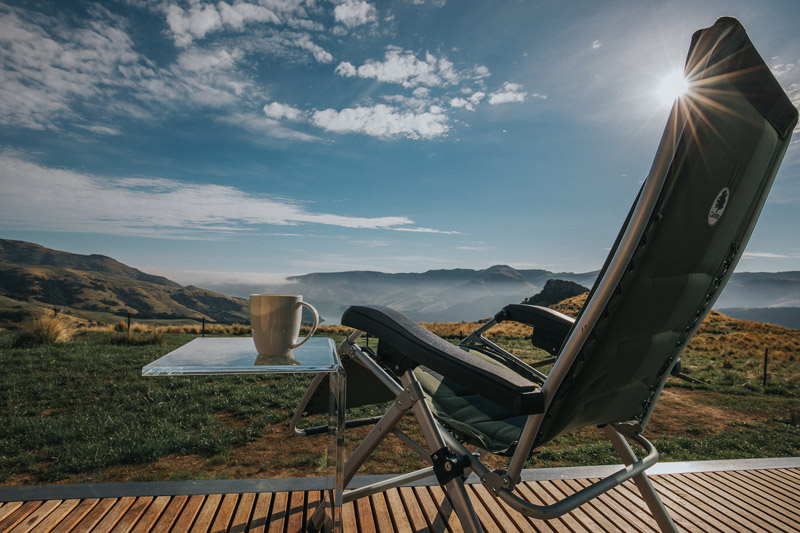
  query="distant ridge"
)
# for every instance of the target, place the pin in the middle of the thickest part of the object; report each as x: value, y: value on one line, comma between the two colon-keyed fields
x: 97, y: 288
x: 28, y: 253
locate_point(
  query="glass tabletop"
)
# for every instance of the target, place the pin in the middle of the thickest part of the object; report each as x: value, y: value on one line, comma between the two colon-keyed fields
x: 237, y: 355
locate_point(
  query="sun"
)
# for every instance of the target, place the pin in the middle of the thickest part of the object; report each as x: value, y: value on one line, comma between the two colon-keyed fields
x: 672, y: 86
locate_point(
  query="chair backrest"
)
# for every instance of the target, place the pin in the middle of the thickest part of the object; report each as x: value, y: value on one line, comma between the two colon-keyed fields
x: 682, y: 239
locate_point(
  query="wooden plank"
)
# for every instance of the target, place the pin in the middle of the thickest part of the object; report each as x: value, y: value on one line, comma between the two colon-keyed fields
x: 132, y: 515
x: 189, y: 513
x: 429, y: 510
x: 603, y: 523
x: 531, y: 492
x: 294, y: 517
x: 19, y: 514
x: 8, y: 508
x: 313, y: 500
x: 366, y: 523
x: 383, y: 520
x: 446, y: 510
x: 277, y: 517
x: 170, y: 514
x: 349, y: 522
x: 115, y: 513
x: 778, y: 483
x: 763, y: 494
x: 224, y: 513
x: 726, y: 500
x: 686, y: 505
x: 397, y: 512
x: 261, y: 510
x: 501, y: 518
x: 607, y: 506
x: 241, y: 520
x: 150, y: 517
x: 36, y: 516
x: 579, y: 515
x: 413, y: 510
x: 485, y: 517
x: 686, y: 515
x: 705, y: 502
x: 738, y: 500
x: 205, y: 516
x: 81, y: 517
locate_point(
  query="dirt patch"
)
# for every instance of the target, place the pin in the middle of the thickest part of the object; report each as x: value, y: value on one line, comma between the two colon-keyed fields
x: 681, y: 409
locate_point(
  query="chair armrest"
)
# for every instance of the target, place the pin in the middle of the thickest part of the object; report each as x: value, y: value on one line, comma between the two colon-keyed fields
x: 550, y: 328
x: 497, y: 384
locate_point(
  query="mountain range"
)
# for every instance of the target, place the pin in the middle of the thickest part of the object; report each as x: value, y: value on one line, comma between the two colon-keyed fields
x: 102, y: 289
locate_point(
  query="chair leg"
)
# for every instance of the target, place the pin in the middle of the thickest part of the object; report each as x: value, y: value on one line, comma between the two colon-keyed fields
x: 455, y: 489
x: 646, y: 489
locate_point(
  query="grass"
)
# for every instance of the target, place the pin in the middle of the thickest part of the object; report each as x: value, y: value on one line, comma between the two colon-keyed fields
x: 81, y: 411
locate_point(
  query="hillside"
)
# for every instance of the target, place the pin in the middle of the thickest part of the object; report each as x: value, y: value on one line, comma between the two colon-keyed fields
x: 98, y: 288
x: 733, y: 341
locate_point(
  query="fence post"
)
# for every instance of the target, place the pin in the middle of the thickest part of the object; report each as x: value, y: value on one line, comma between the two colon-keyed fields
x: 203, y: 331
x: 129, y: 322
x: 766, y: 355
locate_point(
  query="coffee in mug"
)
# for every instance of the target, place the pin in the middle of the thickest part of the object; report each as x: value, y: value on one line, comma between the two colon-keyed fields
x: 275, y: 319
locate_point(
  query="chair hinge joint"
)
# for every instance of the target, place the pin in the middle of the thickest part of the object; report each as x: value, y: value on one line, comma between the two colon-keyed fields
x: 448, y: 466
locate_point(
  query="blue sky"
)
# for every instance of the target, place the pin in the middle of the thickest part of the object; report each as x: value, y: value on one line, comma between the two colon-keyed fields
x: 229, y: 141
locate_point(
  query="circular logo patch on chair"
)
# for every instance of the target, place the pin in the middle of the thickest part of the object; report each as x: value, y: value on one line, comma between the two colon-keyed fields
x: 718, y: 207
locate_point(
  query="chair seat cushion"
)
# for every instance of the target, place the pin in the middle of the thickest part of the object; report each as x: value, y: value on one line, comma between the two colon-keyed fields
x: 470, y: 416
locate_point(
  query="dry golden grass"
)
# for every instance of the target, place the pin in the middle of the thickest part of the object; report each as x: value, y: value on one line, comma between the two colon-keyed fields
x: 48, y: 327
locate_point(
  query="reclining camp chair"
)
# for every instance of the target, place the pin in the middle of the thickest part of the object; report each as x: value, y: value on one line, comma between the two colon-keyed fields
x: 679, y: 244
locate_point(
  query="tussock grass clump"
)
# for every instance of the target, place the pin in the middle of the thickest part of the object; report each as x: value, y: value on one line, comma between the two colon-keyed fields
x: 49, y: 327
x: 151, y: 337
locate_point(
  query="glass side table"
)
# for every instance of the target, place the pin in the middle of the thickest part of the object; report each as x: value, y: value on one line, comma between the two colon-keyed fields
x: 237, y: 355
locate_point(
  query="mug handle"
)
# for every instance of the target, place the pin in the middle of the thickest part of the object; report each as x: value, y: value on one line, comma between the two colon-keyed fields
x: 313, y: 328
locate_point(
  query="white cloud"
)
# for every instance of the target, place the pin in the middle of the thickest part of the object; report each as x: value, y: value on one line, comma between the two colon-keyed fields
x: 510, y: 92
x: 51, y: 69
x: 46, y: 66
x: 764, y: 255
x: 238, y: 14
x: 403, y: 67
x: 354, y: 13
x: 278, y: 111
x: 303, y: 41
x: 200, y: 20
x: 382, y: 121
x: 468, y: 103
x: 263, y: 125
x: 195, y: 23
x: 36, y: 197
x: 345, y: 69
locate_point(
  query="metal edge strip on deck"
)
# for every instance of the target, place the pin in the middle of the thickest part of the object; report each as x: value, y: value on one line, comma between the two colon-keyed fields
x: 170, y: 488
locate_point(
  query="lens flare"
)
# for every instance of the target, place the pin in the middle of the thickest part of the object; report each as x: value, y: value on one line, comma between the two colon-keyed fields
x: 673, y: 86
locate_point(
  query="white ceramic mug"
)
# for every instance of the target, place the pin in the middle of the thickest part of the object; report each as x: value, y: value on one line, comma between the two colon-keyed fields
x: 275, y: 319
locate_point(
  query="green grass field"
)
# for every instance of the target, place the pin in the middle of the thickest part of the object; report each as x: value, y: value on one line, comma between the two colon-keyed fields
x: 81, y: 411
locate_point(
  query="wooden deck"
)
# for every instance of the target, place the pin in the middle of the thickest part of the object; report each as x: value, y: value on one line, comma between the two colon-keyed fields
x: 754, y: 495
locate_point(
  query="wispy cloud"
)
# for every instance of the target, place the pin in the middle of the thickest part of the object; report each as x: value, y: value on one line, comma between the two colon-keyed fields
x: 511, y: 92
x: 766, y: 255
x: 44, y: 198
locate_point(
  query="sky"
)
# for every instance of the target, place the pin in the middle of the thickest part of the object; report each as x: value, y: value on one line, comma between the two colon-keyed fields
x: 230, y: 141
